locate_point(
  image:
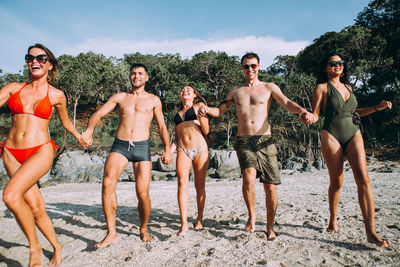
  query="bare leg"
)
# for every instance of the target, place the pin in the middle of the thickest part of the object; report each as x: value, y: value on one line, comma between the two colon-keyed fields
x: 113, y: 168
x: 142, y: 172
x: 200, y: 165
x: 271, y: 202
x: 35, y: 200
x: 22, y: 178
x: 357, y: 160
x: 249, y: 194
x: 333, y: 155
x: 183, y: 164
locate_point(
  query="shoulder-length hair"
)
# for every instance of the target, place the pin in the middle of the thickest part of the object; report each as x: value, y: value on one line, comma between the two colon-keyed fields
x: 197, y: 99
x: 51, y: 78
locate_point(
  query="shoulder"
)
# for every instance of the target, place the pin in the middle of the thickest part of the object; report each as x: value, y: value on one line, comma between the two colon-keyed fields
x: 155, y: 99
x: 118, y: 97
x: 56, y: 92
x: 321, y: 88
x: 349, y: 86
x: 12, y: 87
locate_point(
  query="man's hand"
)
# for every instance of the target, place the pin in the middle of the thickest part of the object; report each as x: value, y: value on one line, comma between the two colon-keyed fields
x: 86, y: 139
x: 203, y: 109
x: 166, y: 157
x: 307, y: 117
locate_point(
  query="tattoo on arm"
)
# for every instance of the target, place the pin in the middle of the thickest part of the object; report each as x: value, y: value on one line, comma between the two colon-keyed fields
x: 225, y: 102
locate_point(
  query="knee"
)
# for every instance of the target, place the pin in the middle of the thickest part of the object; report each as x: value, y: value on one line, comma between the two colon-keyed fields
x: 38, y: 211
x: 108, y: 184
x: 335, y: 185
x: 10, y: 198
x: 142, y: 195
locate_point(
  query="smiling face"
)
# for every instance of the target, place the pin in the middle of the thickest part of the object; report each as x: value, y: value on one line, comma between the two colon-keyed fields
x: 36, y: 68
x: 335, y: 66
x: 138, y: 77
x: 187, y: 93
x: 250, y: 67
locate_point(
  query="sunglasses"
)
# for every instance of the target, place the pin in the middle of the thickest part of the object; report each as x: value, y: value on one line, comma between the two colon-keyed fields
x: 253, y: 66
x: 42, y: 59
x: 335, y: 63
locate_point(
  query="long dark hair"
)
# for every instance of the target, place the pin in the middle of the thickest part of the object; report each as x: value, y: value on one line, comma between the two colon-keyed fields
x: 51, y: 78
x: 323, y: 76
x: 197, y: 99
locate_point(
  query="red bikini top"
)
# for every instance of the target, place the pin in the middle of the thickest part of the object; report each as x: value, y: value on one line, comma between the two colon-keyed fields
x: 42, y: 110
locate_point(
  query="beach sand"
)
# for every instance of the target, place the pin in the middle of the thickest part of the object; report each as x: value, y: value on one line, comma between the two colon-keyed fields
x: 301, y: 220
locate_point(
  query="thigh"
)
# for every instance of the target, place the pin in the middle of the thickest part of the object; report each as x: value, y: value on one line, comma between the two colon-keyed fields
x: 200, y: 165
x: 22, y: 178
x: 332, y: 153
x: 115, y: 165
x: 183, y: 164
x: 356, y: 156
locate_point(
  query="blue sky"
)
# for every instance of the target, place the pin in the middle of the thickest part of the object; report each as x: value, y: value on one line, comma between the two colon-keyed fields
x: 114, y: 28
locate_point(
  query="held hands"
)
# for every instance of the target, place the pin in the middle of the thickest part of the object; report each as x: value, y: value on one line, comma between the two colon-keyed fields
x: 86, y: 139
x: 307, y: 117
x: 383, y: 105
x: 203, y: 109
x: 166, y: 157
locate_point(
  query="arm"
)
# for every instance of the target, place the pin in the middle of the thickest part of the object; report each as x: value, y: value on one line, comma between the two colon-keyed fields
x: 317, y: 100
x: 285, y: 102
x: 203, y: 120
x: 220, y: 110
x: 7, y: 91
x: 289, y: 105
x: 109, y: 106
x: 61, y: 108
x: 381, y: 106
x: 166, y: 157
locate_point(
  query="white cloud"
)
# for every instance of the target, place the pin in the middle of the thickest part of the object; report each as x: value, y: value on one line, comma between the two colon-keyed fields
x: 266, y: 47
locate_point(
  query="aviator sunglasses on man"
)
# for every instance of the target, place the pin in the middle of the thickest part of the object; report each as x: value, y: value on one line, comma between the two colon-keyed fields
x: 335, y: 63
x: 42, y: 59
x: 253, y: 66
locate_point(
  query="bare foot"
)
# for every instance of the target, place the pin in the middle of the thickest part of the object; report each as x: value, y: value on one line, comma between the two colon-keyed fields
x: 377, y: 240
x: 250, y: 226
x: 182, y: 231
x: 35, y: 257
x: 332, y: 227
x: 271, y: 235
x: 109, y: 239
x: 198, y: 226
x: 56, y: 260
x: 145, y: 237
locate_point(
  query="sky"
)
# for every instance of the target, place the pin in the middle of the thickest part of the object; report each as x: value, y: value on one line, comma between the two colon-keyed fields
x: 113, y: 28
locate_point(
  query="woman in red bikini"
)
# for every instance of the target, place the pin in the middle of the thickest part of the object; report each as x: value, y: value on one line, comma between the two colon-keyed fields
x: 191, y: 149
x: 28, y: 151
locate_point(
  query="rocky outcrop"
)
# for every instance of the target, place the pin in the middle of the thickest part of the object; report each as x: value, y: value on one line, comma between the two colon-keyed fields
x: 81, y: 167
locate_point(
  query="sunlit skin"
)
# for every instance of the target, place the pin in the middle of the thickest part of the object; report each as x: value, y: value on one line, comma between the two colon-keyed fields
x: 136, y: 110
x: 22, y: 195
x: 189, y: 134
x: 253, y: 100
x: 334, y: 156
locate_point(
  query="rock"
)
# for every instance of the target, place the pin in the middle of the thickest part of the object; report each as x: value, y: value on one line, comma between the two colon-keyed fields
x: 223, y: 159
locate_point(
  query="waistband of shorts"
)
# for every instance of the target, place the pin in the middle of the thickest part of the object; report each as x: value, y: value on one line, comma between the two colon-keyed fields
x: 253, y: 137
x: 136, y: 143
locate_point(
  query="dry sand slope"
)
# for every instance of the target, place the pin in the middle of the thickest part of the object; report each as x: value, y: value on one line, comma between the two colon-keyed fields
x: 301, y: 220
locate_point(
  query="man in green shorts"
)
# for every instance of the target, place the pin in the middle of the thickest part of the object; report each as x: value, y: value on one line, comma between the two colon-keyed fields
x: 256, y: 153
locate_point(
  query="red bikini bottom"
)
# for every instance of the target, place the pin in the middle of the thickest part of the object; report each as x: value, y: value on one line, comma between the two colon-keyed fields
x: 22, y: 154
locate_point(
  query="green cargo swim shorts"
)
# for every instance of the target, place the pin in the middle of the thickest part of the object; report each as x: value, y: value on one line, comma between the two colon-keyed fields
x: 259, y: 152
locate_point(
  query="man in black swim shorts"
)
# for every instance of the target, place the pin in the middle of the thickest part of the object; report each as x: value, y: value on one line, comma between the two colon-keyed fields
x: 136, y: 110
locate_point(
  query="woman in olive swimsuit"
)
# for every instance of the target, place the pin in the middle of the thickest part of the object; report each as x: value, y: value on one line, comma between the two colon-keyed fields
x: 341, y: 135
x: 191, y: 148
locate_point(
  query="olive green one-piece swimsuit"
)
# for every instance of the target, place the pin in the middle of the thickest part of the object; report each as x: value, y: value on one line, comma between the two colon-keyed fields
x: 341, y: 119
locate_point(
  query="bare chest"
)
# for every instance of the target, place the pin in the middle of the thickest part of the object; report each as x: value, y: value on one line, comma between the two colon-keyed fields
x: 136, y: 105
x: 249, y: 97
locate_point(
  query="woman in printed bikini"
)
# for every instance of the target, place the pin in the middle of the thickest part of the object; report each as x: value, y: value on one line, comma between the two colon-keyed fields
x: 28, y: 150
x: 191, y: 148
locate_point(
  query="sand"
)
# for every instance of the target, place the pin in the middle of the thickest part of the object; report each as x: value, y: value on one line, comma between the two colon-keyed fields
x: 301, y: 220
